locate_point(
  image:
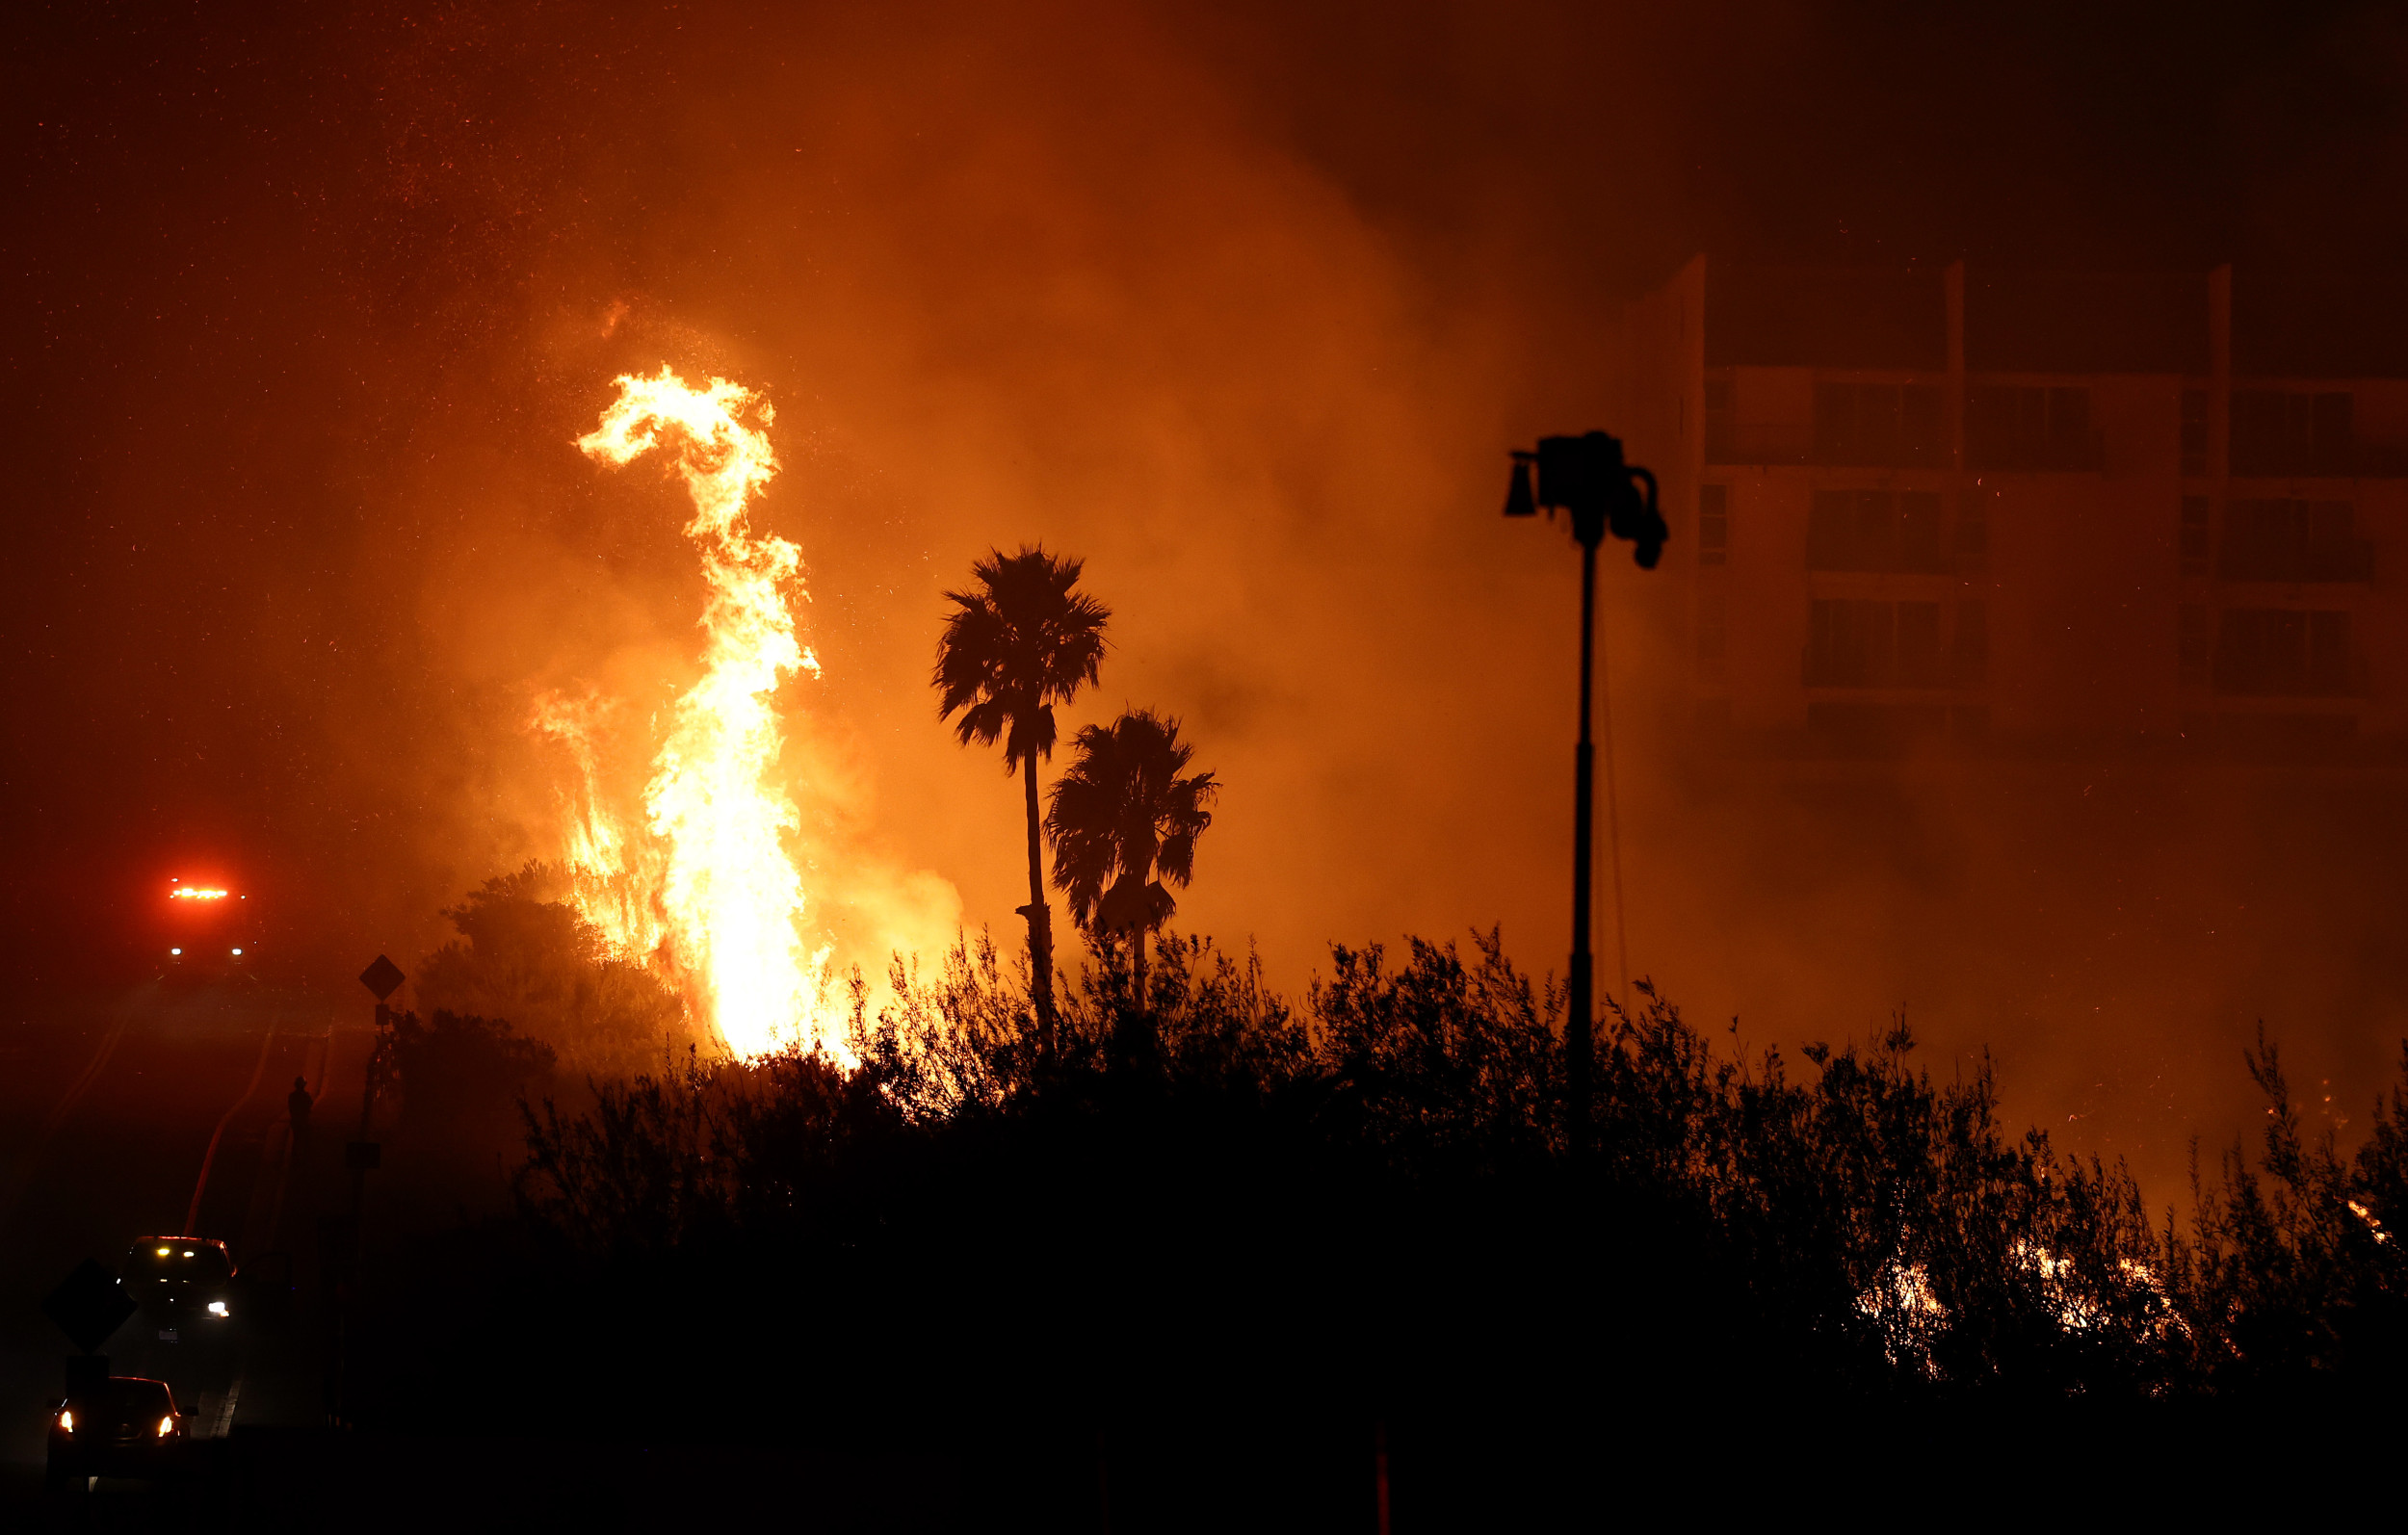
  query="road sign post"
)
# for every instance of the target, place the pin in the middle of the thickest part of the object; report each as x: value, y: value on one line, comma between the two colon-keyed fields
x: 89, y: 1305
x: 341, y: 1238
x: 382, y: 978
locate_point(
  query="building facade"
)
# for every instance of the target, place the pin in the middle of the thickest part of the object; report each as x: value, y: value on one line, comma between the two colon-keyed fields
x: 1980, y: 512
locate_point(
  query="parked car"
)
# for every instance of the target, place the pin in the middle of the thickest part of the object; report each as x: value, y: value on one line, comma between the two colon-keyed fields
x: 122, y: 1426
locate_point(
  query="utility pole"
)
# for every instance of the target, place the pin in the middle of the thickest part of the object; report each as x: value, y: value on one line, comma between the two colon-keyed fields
x: 1586, y: 476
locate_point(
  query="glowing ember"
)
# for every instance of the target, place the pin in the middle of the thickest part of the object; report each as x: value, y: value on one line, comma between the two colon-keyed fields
x: 193, y: 893
x: 727, y: 894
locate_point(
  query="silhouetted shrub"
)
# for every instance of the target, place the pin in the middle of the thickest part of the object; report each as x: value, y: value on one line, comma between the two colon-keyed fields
x: 462, y: 1069
x: 2292, y: 1277
x: 1398, y: 1141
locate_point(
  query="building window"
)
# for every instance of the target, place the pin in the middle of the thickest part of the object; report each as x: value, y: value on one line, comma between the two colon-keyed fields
x: 2285, y: 653
x: 1973, y: 530
x: 1854, y: 642
x: 2279, y: 539
x: 1883, y: 425
x: 1722, y: 419
x: 2194, y: 431
x: 1875, y: 531
x: 2011, y: 428
x: 1848, y: 643
x: 1972, y: 655
x: 2279, y: 433
x: 2194, y: 536
x: 1713, y: 524
x: 2195, y: 647
x: 1921, y: 662
x: 1713, y: 633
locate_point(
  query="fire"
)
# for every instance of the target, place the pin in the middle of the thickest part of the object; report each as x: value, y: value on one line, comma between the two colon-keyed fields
x: 714, y: 883
x: 194, y: 893
x: 616, y: 877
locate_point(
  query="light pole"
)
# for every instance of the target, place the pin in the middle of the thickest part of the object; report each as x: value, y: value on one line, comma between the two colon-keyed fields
x: 1586, y: 476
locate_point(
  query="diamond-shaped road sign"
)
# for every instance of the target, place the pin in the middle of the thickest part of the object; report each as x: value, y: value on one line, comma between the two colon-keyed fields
x: 382, y: 978
x: 89, y: 1305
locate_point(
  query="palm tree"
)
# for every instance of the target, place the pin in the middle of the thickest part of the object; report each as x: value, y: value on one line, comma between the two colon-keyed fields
x: 1123, y: 816
x: 1017, y: 643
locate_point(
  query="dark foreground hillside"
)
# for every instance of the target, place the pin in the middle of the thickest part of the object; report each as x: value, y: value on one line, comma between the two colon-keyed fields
x: 1227, y: 1234
x: 1224, y: 1263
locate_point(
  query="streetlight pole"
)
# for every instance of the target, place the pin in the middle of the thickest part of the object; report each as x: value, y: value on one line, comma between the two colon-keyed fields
x: 1580, y: 1029
x: 1585, y: 476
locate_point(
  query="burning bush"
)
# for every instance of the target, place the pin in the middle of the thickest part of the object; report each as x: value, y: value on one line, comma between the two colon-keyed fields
x: 2293, y: 1275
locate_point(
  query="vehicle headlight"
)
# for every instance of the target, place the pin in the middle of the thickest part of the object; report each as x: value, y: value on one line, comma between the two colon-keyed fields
x: 166, y: 1426
x: 217, y: 1308
x: 67, y: 1420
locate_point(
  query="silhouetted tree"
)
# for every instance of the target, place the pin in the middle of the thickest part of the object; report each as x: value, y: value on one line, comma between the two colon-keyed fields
x: 1123, y: 816
x: 1017, y: 643
x: 525, y: 954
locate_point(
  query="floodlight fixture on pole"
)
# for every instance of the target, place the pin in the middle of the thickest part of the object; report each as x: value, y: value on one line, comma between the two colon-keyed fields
x: 1586, y: 476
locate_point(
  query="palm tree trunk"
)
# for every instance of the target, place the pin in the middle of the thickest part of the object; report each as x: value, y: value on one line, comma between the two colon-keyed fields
x: 1144, y: 999
x: 1041, y: 921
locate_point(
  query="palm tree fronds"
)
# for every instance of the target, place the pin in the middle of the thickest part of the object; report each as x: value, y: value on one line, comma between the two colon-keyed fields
x: 1016, y: 644
x: 1123, y: 823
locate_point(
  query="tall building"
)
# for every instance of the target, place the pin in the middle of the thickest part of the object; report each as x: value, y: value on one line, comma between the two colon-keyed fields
x: 1956, y: 510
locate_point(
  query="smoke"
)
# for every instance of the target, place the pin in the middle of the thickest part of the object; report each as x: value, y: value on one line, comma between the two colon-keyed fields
x: 1243, y: 311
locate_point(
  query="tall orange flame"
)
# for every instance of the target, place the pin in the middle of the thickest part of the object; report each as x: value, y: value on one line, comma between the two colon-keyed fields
x: 728, y: 895
x: 615, y: 877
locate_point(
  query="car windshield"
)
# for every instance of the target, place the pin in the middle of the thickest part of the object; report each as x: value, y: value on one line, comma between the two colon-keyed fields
x: 172, y: 1258
x: 129, y: 1397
